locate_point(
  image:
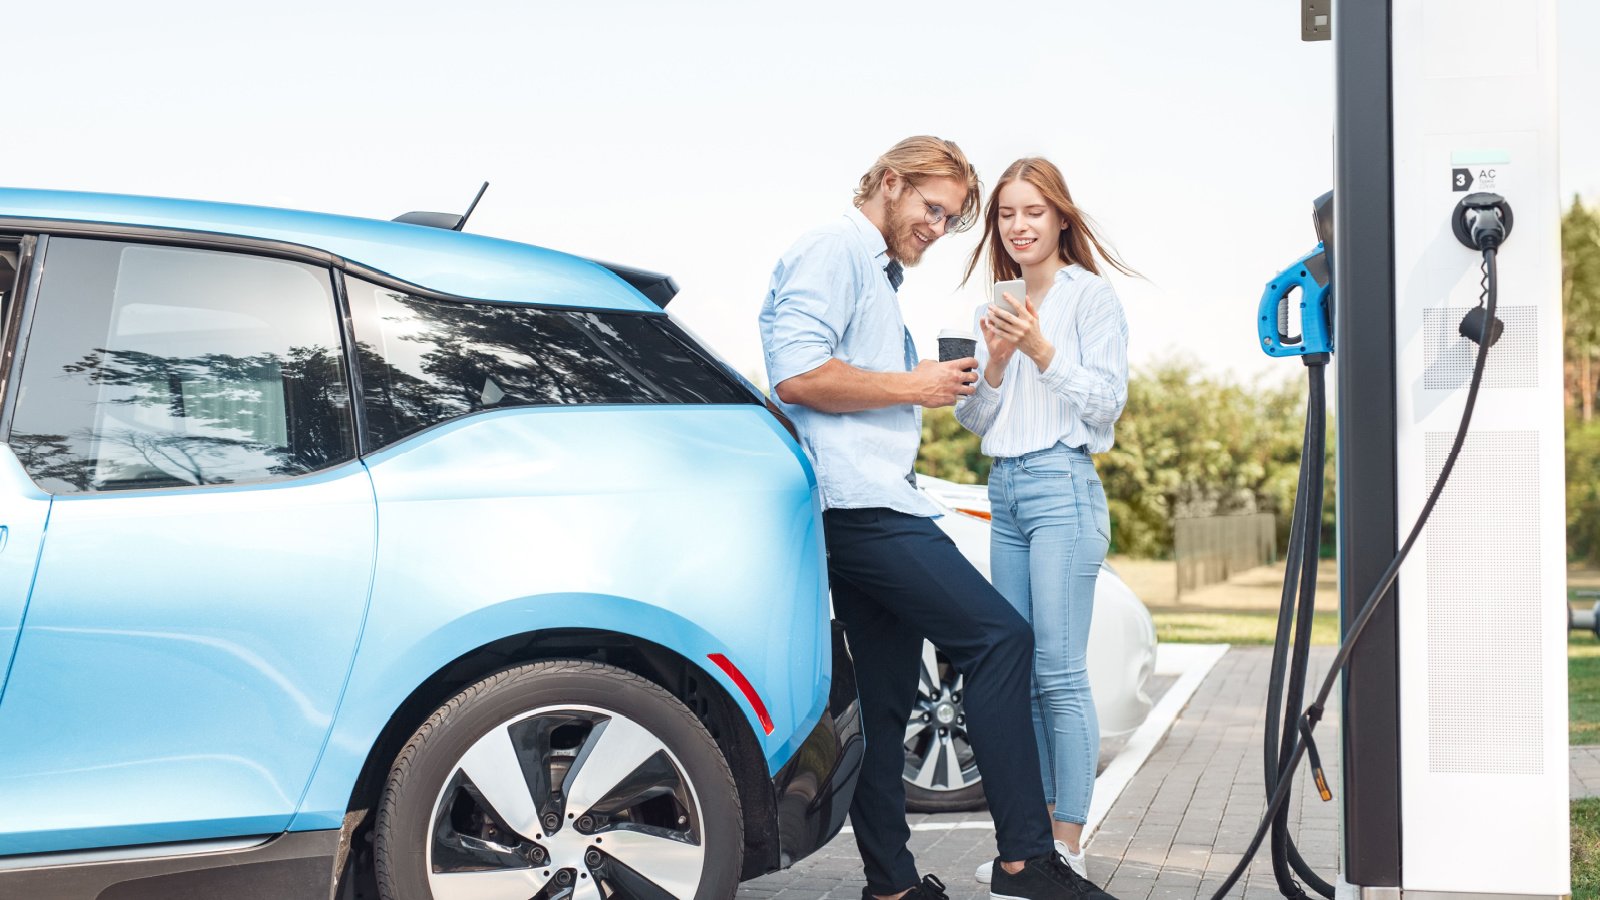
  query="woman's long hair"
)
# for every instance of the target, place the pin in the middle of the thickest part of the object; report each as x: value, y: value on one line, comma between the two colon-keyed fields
x: 1077, y: 243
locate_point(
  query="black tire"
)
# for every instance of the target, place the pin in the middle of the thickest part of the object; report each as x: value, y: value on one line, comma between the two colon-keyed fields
x: 967, y: 799
x: 931, y: 786
x: 675, y: 803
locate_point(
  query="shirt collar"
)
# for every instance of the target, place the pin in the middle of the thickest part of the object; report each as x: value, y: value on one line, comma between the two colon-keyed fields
x: 871, y: 237
x: 1069, y: 272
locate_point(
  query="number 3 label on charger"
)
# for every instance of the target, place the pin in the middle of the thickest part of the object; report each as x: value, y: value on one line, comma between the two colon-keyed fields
x: 1482, y: 178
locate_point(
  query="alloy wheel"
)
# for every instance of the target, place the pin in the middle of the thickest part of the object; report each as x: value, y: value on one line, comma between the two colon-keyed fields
x: 939, y: 757
x: 566, y: 802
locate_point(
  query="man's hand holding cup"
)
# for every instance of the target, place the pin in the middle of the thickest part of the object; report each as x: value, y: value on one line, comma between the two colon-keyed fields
x: 954, y: 376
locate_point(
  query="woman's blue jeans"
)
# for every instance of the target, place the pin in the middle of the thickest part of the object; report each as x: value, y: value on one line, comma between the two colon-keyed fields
x: 1051, y: 532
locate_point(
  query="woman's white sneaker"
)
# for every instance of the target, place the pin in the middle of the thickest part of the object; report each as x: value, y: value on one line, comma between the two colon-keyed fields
x: 1077, y: 861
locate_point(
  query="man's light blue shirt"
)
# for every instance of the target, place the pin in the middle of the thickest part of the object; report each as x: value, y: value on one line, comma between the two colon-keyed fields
x: 830, y: 298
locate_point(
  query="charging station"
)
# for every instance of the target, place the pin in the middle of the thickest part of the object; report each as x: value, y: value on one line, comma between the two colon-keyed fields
x: 1454, y: 723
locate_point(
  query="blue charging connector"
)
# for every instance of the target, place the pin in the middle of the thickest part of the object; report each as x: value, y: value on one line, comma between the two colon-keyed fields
x: 1311, y: 275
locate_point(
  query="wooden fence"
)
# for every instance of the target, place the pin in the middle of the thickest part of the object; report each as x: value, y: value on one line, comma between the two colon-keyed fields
x: 1212, y: 549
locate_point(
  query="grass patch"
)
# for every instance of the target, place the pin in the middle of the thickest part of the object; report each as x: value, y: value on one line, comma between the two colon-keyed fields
x: 1583, y: 688
x: 1252, y: 627
x: 1586, y: 849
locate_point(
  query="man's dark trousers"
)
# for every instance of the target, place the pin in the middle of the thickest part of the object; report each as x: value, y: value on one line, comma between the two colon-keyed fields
x: 896, y: 579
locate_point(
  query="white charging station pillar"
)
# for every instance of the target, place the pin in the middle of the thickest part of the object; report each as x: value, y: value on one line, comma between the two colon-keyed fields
x: 1470, y: 795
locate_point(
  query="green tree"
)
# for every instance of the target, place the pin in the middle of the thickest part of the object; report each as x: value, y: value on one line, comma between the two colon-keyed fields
x: 1580, y: 305
x: 1583, y: 491
x: 1191, y: 443
x: 1188, y: 444
x: 950, y: 451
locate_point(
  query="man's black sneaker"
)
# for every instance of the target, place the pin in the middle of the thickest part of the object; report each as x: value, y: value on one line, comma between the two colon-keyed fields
x: 1045, y: 877
x: 931, y: 888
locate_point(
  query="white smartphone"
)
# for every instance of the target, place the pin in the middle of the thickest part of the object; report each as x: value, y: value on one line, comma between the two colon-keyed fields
x: 1016, y: 288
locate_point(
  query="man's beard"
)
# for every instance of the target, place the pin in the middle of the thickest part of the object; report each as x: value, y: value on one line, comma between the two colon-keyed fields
x: 903, y: 243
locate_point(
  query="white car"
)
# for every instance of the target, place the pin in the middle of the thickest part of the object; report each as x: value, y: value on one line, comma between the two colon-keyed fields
x: 941, y: 774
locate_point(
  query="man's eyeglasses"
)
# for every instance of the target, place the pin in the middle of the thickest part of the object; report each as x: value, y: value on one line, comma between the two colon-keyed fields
x: 953, y: 223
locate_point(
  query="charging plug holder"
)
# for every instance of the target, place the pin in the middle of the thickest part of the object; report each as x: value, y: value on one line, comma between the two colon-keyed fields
x: 1486, y: 236
x: 1471, y: 206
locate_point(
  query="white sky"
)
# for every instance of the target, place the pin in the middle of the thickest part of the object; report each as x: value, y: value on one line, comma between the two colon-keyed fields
x: 701, y: 138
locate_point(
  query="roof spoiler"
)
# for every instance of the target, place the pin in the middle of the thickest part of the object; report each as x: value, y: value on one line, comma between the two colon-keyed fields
x: 658, y: 287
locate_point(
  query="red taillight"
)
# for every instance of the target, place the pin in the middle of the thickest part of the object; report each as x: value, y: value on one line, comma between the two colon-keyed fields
x: 733, y: 672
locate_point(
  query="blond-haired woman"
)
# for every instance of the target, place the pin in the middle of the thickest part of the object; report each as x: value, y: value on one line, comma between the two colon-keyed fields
x: 1055, y: 379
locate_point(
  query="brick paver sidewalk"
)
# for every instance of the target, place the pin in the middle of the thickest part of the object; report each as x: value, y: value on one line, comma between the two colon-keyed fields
x: 1188, y: 815
x: 1179, y: 826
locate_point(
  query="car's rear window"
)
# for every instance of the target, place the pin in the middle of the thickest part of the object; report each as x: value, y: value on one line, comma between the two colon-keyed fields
x: 424, y: 361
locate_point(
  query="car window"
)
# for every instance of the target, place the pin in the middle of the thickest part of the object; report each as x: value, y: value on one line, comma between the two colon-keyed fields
x: 151, y: 366
x: 424, y: 361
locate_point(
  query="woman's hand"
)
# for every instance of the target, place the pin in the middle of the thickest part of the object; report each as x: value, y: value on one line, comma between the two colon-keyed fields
x: 1021, y: 331
x: 1000, y: 353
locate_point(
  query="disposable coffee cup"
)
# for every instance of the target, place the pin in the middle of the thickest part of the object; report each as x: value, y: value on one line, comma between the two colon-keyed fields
x: 957, y: 345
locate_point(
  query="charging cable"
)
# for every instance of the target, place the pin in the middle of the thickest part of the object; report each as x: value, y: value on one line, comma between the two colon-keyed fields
x: 1305, y: 540
x: 1481, y: 221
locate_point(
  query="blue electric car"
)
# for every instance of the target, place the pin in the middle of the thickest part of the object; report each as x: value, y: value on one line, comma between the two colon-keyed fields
x: 352, y: 558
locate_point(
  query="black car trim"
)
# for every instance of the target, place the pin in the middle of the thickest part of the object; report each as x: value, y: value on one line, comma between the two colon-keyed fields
x: 10, y: 314
x: 294, y: 864
x: 352, y: 364
x: 815, y: 787
x: 30, y: 270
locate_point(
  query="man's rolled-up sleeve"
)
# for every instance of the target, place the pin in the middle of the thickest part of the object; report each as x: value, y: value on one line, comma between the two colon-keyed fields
x: 814, y: 294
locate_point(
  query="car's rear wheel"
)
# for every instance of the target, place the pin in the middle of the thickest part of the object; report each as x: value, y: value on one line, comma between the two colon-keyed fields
x: 941, y: 773
x: 556, y: 780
